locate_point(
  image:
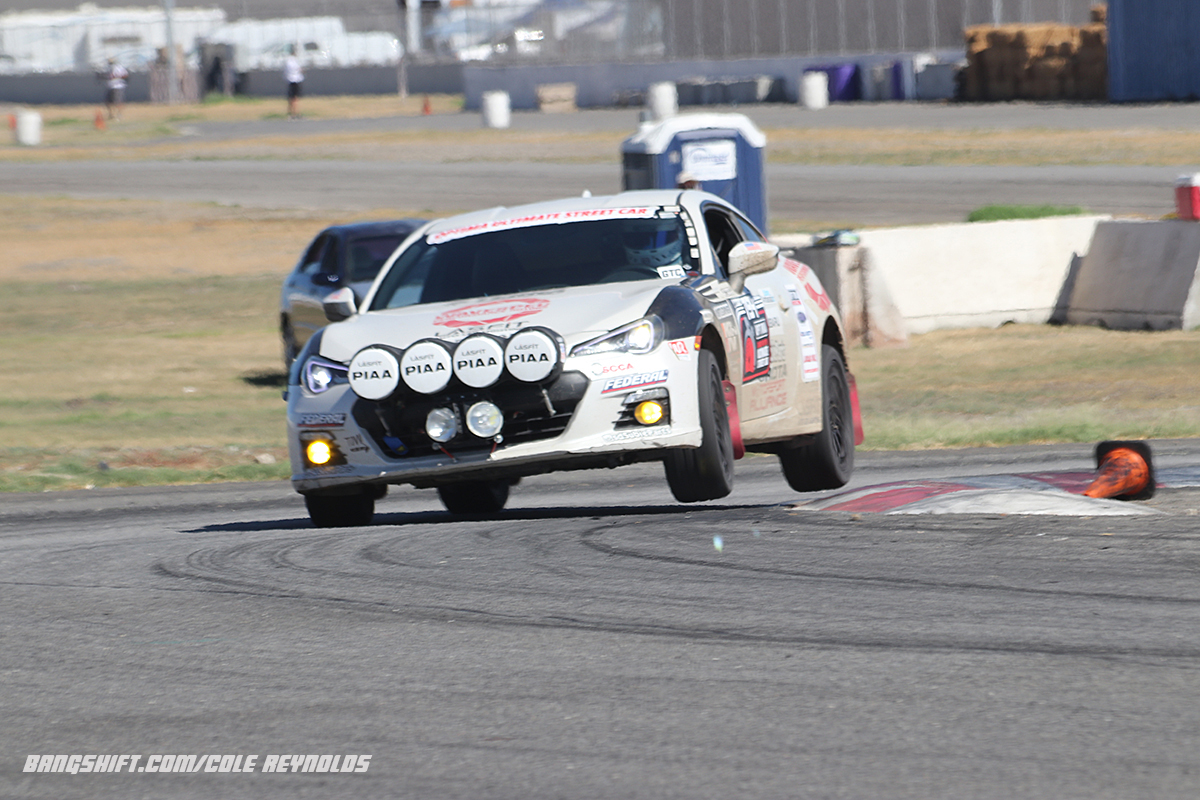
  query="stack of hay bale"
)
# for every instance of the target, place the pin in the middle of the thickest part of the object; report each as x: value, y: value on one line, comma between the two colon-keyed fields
x: 1042, y: 61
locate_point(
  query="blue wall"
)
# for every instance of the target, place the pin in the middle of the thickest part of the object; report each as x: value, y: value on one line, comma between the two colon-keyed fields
x: 1153, y: 50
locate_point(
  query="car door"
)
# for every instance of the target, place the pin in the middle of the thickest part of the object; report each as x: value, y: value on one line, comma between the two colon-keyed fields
x: 756, y: 321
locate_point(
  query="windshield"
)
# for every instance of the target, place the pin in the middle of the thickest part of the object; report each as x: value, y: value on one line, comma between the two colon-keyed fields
x: 529, y: 258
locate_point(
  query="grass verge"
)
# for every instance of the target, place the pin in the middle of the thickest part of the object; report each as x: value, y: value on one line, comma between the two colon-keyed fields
x: 993, y: 213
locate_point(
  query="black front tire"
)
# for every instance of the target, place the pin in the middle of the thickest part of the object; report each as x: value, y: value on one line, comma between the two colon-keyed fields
x: 341, y: 510
x: 474, y: 497
x: 828, y: 462
x: 705, y: 472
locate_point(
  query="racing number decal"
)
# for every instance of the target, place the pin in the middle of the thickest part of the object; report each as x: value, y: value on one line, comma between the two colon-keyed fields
x: 756, y: 338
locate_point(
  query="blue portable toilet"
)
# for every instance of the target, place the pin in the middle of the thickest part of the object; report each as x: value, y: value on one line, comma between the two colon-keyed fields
x: 724, y: 152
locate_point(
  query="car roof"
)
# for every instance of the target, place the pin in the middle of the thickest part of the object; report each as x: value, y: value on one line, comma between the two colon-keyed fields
x: 645, y: 197
x: 377, y: 227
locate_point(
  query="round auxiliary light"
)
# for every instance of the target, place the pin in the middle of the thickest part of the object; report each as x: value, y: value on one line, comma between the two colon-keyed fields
x: 531, y: 355
x: 441, y: 424
x: 374, y: 372
x: 425, y: 367
x: 649, y: 412
x: 484, y: 419
x: 479, y: 361
x: 318, y: 452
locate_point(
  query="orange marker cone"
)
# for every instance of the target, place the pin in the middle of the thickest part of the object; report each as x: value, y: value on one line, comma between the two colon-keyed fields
x: 12, y: 122
x: 426, y: 108
x: 99, y: 123
x: 1126, y: 471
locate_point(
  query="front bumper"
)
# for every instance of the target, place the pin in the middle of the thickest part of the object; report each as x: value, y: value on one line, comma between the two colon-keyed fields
x: 579, y: 420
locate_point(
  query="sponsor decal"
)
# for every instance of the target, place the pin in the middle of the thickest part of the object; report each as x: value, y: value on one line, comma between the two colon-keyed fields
x: 531, y: 220
x: 531, y: 356
x: 638, y: 433
x: 228, y: 763
x: 682, y: 348
x: 322, y: 420
x: 671, y: 272
x: 625, y: 382
x: 491, y: 312
x: 374, y: 373
x: 810, y: 357
x: 600, y: 370
x: 479, y: 361
x: 818, y: 297
x: 801, y: 271
x: 425, y: 367
x: 336, y: 469
x: 767, y: 396
x: 754, y: 330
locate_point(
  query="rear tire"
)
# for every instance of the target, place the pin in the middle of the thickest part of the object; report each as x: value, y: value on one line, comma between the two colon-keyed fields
x: 340, y: 510
x: 705, y: 472
x: 828, y: 462
x: 474, y: 497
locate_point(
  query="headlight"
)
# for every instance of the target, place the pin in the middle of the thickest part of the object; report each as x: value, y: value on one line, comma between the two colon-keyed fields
x: 320, y: 374
x: 637, y: 337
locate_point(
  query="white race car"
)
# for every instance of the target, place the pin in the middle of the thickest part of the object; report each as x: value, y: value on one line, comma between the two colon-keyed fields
x: 579, y: 333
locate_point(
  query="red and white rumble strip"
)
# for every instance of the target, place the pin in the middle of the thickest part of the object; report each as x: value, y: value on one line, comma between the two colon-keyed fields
x: 1049, y: 493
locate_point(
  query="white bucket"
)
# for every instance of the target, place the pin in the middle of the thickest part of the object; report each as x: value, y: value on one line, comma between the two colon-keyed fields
x: 814, y: 90
x: 663, y: 100
x: 497, y: 113
x: 29, y: 128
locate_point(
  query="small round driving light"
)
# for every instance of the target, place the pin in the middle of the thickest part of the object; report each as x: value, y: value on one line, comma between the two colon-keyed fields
x: 484, y: 419
x: 441, y: 424
x: 318, y: 452
x: 649, y: 412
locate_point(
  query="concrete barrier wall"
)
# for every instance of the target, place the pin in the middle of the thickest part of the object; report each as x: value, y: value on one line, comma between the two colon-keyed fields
x: 979, y: 274
x: 598, y: 85
x: 1139, y: 276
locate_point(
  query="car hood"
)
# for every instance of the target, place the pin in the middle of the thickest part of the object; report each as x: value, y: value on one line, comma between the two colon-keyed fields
x: 576, y: 314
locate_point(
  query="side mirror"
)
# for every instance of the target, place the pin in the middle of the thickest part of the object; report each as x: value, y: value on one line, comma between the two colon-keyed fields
x: 750, y: 258
x: 340, y: 305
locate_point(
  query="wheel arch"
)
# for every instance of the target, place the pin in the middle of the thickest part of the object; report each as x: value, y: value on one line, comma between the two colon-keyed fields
x: 711, y: 340
x: 832, y: 336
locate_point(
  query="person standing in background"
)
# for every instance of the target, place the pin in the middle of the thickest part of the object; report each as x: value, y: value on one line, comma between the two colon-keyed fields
x: 294, y: 75
x: 114, y: 98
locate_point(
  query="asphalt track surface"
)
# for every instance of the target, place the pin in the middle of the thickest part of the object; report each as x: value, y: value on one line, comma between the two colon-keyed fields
x: 863, y: 196
x: 592, y: 641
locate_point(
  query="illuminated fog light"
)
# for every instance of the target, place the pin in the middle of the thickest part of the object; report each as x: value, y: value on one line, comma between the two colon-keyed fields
x: 318, y: 452
x: 441, y: 424
x: 484, y: 420
x: 649, y: 413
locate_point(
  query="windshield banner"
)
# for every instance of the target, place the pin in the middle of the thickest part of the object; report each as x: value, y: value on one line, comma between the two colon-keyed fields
x: 551, y: 218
